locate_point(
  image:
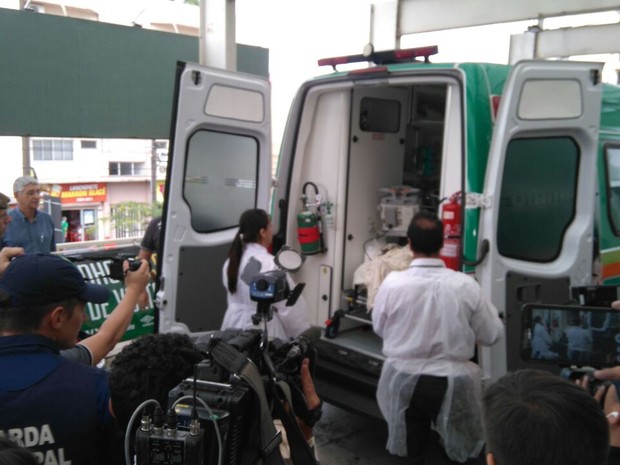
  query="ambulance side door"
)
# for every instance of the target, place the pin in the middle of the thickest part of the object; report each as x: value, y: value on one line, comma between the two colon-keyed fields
x: 219, y: 166
x: 539, y: 195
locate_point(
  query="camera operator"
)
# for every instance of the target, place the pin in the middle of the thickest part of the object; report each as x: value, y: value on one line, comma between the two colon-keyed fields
x: 91, y: 350
x: 247, y: 257
x: 149, y: 368
x: 152, y: 365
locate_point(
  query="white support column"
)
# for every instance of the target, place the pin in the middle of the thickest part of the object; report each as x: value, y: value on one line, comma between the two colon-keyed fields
x: 384, y: 34
x: 566, y: 42
x: 218, y: 46
x: 522, y: 46
x: 586, y: 40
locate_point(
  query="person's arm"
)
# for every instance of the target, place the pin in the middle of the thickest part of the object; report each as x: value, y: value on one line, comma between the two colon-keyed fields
x: 115, y: 326
x: 485, y: 321
x: 312, y: 398
x: 381, y: 308
x: 7, y: 254
x: 611, y: 407
x: 143, y: 300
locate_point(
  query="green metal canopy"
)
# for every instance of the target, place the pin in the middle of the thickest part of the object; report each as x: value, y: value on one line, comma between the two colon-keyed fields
x: 65, y: 77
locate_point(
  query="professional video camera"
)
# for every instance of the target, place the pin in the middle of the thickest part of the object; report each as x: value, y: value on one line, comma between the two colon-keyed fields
x: 272, y: 286
x: 238, y: 390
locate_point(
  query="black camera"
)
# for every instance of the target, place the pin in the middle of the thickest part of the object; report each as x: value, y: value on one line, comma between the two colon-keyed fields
x: 116, y: 267
x: 285, y: 356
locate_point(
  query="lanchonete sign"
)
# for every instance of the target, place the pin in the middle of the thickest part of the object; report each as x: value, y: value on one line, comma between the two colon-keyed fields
x: 80, y: 193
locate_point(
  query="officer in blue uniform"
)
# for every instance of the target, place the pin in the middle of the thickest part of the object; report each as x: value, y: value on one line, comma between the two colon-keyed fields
x: 56, y: 408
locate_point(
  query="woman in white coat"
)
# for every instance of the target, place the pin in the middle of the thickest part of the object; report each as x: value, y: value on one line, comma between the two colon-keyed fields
x: 247, y: 257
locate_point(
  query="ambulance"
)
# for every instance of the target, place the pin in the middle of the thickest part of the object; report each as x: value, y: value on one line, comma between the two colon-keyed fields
x: 521, y: 162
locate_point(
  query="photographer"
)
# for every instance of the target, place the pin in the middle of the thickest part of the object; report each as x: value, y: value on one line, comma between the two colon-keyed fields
x: 44, y: 395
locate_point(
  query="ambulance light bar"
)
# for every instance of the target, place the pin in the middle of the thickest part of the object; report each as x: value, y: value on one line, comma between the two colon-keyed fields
x: 384, y: 57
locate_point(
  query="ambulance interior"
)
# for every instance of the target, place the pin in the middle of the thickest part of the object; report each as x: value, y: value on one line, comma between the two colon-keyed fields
x: 402, y: 138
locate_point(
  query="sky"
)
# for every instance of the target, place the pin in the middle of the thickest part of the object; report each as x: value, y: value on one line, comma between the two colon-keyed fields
x: 297, y: 36
x: 298, y: 33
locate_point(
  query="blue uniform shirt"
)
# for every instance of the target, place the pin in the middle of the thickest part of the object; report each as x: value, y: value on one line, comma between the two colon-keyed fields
x: 56, y: 408
x: 35, y: 237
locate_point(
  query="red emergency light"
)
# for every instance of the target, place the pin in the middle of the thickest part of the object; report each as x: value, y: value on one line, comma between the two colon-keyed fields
x: 384, y: 57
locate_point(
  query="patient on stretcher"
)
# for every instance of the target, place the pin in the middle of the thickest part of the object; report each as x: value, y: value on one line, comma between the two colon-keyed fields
x: 387, y: 258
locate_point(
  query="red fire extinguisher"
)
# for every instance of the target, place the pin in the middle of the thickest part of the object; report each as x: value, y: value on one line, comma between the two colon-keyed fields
x: 309, y: 225
x: 451, y: 218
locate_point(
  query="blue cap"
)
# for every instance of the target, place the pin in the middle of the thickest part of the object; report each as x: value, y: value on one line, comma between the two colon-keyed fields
x: 37, y: 279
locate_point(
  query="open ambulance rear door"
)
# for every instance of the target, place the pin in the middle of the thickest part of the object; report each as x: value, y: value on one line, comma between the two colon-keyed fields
x: 539, y: 198
x: 219, y: 166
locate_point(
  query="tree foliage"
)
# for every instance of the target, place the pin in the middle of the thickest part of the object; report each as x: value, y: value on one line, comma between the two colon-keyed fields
x: 129, y: 219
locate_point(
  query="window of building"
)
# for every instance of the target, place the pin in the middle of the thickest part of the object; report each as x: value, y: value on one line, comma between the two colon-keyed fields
x: 220, y: 179
x: 127, y: 168
x: 88, y: 144
x: 52, y: 149
x: 538, y: 195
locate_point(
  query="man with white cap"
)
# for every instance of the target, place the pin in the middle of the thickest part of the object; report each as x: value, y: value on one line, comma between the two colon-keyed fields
x: 56, y: 408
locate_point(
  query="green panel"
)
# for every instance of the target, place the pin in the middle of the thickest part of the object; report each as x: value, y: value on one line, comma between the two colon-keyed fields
x: 65, y: 77
x: 537, y: 200
x: 482, y: 81
x: 95, y: 267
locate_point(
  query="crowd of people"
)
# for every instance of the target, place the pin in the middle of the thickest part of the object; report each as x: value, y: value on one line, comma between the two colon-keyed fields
x: 58, y: 407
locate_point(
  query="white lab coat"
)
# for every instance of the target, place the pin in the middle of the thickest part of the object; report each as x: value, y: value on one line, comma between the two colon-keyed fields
x: 287, y: 322
x: 430, y: 318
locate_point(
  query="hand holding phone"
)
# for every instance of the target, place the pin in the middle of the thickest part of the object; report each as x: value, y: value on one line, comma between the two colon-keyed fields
x: 570, y: 335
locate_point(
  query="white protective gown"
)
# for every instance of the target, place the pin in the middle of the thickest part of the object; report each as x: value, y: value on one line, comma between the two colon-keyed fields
x: 430, y: 318
x: 287, y: 322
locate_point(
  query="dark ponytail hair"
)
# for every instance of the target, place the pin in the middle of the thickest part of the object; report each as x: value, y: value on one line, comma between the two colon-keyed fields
x: 250, y: 225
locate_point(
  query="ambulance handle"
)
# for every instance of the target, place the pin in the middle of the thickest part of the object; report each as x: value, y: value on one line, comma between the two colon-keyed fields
x: 484, y: 250
x: 278, y: 238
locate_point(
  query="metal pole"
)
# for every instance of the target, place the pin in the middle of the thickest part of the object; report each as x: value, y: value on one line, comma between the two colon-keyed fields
x: 153, y: 171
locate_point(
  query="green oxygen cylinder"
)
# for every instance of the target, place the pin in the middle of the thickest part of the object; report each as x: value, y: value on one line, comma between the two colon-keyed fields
x: 308, y: 232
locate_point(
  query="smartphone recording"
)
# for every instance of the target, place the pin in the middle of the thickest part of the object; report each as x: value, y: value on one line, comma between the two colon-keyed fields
x: 570, y: 335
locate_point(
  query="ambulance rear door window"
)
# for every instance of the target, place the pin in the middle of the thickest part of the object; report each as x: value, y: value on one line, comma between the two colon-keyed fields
x: 538, y: 195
